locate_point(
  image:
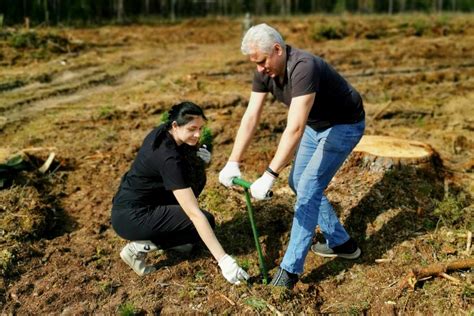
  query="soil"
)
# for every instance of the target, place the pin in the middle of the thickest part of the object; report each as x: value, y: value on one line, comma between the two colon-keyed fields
x: 93, y: 105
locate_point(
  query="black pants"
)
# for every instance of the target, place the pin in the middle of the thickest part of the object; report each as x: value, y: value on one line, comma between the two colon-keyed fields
x: 165, y: 225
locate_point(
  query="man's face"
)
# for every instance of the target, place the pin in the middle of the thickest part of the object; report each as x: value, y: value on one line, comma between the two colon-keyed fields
x: 272, y: 64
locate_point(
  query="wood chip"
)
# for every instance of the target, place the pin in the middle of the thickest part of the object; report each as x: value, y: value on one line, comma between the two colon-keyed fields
x: 47, y: 163
x: 468, y: 243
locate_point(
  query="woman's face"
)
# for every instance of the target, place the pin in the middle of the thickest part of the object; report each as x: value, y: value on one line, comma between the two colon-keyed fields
x: 188, y: 133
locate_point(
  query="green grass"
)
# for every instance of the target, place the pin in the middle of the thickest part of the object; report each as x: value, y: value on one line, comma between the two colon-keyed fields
x: 127, y: 309
x: 256, y: 303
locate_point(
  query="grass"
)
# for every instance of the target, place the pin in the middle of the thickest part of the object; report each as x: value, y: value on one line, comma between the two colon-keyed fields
x: 452, y: 211
x: 127, y: 309
x: 256, y: 303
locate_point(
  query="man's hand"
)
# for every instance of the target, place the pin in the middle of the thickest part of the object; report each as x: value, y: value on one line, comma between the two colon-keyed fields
x: 262, y: 186
x: 204, y: 154
x: 229, y: 172
x: 231, y: 270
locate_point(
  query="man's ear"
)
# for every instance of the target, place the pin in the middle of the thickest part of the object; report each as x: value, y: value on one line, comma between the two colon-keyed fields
x: 278, y: 49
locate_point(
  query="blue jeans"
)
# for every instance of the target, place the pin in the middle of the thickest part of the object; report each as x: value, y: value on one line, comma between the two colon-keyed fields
x: 319, y: 156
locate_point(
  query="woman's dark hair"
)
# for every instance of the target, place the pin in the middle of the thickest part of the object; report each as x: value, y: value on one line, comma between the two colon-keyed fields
x: 184, y: 112
x: 181, y: 113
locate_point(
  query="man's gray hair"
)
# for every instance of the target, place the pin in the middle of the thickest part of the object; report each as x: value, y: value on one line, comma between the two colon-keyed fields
x: 261, y: 38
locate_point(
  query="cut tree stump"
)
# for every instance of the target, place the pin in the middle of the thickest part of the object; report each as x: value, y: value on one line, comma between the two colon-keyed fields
x: 380, y: 153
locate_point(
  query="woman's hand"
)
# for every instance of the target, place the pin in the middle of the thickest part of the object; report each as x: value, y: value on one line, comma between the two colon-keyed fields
x: 204, y: 154
x: 231, y: 270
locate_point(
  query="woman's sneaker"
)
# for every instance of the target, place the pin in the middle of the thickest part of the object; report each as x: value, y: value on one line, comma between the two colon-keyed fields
x: 347, y: 250
x: 284, y: 278
x: 134, y: 254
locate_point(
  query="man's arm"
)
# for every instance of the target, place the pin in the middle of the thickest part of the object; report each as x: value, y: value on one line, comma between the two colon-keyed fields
x: 248, y: 125
x: 297, y: 117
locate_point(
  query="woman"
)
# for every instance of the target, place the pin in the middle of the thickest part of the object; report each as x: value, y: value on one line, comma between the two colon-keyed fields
x: 156, y: 203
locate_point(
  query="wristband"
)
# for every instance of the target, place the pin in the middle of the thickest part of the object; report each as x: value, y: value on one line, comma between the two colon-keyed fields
x: 273, y: 173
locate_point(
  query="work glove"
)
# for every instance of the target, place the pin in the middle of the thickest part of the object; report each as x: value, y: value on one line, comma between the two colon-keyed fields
x: 231, y: 270
x: 204, y: 154
x: 260, y: 189
x: 229, y: 172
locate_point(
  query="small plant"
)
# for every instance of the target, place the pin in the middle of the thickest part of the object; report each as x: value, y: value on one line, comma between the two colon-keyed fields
x: 244, y: 264
x: 256, y: 303
x: 6, y: 262
x: 25, y: 40
x: 329, y: 32
x: 105, y: 112
x: 127, y: 309
x: 107, y: 287
x: 420, y: 27
x: 164, y: 117
x: 206, y: 138
x: 200, y: 275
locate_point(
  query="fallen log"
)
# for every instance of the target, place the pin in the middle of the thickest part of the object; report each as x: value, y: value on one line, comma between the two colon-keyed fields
x: 437, y: 269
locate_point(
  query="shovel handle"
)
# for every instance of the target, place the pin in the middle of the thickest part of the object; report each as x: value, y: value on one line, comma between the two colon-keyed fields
x: 246, y: 185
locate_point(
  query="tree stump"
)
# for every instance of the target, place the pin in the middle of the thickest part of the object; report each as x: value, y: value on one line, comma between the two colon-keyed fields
x: 381, y: 153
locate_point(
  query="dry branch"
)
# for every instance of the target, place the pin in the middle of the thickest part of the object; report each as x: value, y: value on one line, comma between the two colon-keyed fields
x: 438, y: 269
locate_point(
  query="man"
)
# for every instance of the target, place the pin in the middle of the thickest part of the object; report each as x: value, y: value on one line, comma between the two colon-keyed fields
x: 325, y: 122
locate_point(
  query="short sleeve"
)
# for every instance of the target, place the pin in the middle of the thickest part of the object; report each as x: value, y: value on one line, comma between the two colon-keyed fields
x: 171, y: 170
x: 258, y: 85
x: 305, y: 78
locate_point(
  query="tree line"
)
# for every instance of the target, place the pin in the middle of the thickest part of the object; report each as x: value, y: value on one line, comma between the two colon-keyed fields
x: 85, y: 12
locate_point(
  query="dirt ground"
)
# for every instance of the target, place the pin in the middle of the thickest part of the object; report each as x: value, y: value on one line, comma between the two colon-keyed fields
x: 91, y: 95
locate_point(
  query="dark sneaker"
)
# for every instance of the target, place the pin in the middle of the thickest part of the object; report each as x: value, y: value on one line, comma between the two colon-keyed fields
x: 347, y: 250
x: 284, y: 279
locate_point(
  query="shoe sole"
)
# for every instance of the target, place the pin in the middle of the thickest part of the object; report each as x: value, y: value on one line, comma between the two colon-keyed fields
x: 149, y: 270
x: 354, y: 255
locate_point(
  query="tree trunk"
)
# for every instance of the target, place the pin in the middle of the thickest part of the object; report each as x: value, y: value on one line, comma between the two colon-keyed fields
x: 147, y: 7
x: 120, y: 11
x: 260, y: 7
x: 172, y: 10
x: 390, y: 7
x: 46, y: 12
x: 402, y: 5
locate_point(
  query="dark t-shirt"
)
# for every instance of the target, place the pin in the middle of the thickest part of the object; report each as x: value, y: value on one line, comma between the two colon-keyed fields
x: 336, y: 102
x: 158, y: 169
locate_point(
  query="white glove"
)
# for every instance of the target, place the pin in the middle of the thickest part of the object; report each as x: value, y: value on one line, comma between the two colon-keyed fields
x: 231, y: 270
x: 230, y: 171
x: 204, y: 154
x: 262, y: 186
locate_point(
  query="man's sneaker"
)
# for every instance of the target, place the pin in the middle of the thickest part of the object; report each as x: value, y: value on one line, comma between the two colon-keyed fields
x: 284, y: 278
x: 134, y: 254
x: 347, y: 250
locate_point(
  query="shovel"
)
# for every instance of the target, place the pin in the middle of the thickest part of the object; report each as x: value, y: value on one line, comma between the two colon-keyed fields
x: 246, y: 185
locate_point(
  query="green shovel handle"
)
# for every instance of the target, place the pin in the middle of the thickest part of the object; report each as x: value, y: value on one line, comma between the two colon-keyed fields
x: 246, y: 185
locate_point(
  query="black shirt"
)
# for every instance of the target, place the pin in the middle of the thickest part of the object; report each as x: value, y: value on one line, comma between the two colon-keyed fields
x: 336, y: 102
x: 160, y: 167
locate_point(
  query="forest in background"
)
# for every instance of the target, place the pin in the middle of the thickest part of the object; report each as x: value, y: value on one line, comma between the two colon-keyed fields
x: 87, y: 12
